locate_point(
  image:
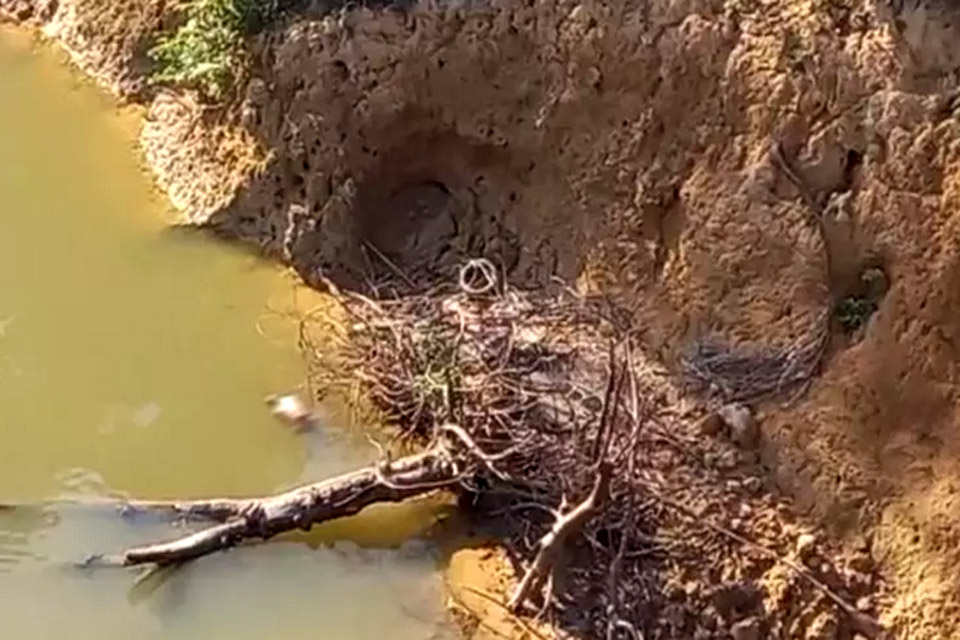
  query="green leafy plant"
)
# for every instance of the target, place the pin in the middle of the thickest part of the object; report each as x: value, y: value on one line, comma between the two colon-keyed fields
x: 206, y: 51
x: 854, y: 311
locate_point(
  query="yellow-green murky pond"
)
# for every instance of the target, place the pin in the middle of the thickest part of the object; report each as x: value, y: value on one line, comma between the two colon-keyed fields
x: 135, y: 359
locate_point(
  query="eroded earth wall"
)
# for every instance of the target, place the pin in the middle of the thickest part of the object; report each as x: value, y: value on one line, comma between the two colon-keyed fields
x: 630, y: 148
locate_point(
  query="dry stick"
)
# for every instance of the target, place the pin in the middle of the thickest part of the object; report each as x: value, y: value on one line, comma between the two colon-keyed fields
x: 863, y: 623
x: 572, y: 521
x: 814, y: 208
x: 393, y: 267
x: 551, y: 543
x: 299, y: 508
x: 614, y: 382
x: 786, y: 167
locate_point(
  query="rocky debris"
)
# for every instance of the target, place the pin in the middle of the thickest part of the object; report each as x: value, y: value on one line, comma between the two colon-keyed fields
x: 19, y: 9
x: 216, y: 162
x: 862, y: 562
x: 711, y: 424
x: 743, y: 427
x: 928, y: 29
x: 736, y: 600
x: 823, y: 627
x: 806, y: 546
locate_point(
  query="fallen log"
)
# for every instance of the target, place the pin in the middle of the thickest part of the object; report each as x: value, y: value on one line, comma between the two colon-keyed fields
x: 300, y: 508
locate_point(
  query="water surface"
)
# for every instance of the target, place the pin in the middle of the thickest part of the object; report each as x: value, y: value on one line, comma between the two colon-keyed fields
x: 135, y: 359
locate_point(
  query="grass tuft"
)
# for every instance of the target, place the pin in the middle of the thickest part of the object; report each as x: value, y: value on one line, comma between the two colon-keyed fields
x: 206, y: 52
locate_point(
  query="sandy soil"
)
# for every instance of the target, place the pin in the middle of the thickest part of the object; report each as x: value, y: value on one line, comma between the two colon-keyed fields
x: 479, y: 578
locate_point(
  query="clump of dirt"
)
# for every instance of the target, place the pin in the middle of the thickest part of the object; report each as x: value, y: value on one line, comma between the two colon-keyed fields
x: 633, y: 149
x: 27, y: 10
x: 218, y: 162
x: 479, y: 579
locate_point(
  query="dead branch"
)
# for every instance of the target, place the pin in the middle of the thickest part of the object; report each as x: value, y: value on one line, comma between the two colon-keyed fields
x: 300, y: 508
x: 571, y: 522
x: 552, y: 543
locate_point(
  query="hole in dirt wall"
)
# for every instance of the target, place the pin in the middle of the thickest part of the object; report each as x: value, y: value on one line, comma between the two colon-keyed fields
x: 429, y: 204
x: 407, y: 158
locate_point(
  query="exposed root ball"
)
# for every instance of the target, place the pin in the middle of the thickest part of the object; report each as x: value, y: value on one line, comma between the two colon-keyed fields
x: 548, y: 393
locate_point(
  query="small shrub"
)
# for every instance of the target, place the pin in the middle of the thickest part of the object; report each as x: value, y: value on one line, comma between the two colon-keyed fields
x: 854, y: 311
x: 206, y: 52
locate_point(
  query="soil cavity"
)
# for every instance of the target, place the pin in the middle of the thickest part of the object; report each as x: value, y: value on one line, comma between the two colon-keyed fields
x: 424, y: 209
x: 417, y: 224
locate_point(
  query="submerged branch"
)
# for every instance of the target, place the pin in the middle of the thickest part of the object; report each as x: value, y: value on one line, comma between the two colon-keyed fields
x: 300, y: 508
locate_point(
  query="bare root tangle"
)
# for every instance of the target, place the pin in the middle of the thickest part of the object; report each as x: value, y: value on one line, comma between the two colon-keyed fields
x: 547, y: 391
x: 732, y: 374
x: 467, y: 360
x: 747, y: 375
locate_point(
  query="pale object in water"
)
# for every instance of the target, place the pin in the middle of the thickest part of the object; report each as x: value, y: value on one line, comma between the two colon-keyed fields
x: 290, y: 408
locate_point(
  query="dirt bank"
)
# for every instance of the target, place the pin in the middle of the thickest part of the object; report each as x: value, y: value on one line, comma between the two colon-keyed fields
x: 627, y: 148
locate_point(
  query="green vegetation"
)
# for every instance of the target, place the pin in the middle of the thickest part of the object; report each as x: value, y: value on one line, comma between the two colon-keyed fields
x: 206, y: 52
x: 854, y: 310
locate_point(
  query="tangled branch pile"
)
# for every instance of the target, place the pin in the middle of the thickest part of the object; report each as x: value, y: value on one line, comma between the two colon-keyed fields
x: 615, y: 512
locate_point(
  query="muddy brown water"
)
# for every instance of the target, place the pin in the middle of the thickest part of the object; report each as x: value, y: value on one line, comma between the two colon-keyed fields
x: 134, y: 359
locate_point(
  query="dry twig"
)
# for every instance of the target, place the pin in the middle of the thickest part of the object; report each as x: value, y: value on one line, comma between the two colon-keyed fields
x: 551, y: 544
